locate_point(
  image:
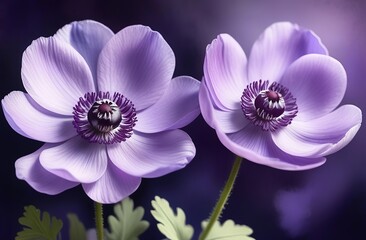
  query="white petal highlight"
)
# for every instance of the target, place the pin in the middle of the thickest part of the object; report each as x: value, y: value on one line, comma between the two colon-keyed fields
x: 256, y: 145
x: 153, y: 155
x: 175, y: 109
x: 278, y: 46
x: 138, y: 63
x: 321, y: 136
x: 225, y: 71
x: 88, y: 37
x: 228, y: 121
x: 29, y: 169
x: 76, y: 160
x: 318, y: 83
x: 30, y: 120
x: 113, y: 186
x: 55, y: 75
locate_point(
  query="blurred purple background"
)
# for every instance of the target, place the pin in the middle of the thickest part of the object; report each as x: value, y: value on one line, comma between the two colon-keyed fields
x: 324, y: 203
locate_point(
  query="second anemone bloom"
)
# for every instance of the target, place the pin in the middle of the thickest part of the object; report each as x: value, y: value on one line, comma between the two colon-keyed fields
x: 106, y: 106
x: 279, y: 107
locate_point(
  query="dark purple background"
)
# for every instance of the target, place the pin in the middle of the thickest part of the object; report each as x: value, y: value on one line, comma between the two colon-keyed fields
x: 324, y: 203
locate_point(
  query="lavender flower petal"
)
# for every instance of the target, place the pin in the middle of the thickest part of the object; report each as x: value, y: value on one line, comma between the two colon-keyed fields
x: 321, y: 136
x: 138, y: 63
x: 153, y: 155
x: 76, y: 160
x: 227, y: 121
x: 113, y: 186
x: 88, y: 37
x: 27, y: 118
x: 55, y: 75
x: 318, y: 83
x: 256, y: 145
x: 29, y: 169
x: 280, y: 45
x: 225, y: 71
x: 164, y: 114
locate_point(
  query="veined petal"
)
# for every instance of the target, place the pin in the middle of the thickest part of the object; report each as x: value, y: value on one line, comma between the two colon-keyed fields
x: 228, y: 121
x: 280, y: 45
x: 113, y: 186
x: 153, y: 155
x: 225, y: 71
x: 318, y: 83
x: 76, y: 160
x: 138, y: 63
x: 175, y: 109
x: 88, y: 37
x: 55, y: 75
x: 256, y: 145
x: 321, y: 136
x: 27, y: 118
x: 29, y: 169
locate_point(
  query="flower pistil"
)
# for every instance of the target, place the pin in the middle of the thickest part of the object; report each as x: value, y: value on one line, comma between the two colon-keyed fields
x: 105, y: 119
x: 268, y: 106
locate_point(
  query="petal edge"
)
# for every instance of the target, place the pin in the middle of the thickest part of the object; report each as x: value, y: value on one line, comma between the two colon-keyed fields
x: 321, y: 136
x: 175, y: 109
x: 153, y: 155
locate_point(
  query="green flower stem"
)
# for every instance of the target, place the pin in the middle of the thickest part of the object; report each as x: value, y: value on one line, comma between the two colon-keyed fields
x: 223, y: 198
x: 98, y: 207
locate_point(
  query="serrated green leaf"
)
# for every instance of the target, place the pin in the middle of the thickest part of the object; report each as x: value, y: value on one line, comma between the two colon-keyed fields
x: 127, y: 224
x: 36, y: 228
x: 77, y: 229
x: 228, y: 231
x: 172, y: 226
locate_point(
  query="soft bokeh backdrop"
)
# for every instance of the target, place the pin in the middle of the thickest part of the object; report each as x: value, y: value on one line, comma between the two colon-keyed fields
x: 324, y: 203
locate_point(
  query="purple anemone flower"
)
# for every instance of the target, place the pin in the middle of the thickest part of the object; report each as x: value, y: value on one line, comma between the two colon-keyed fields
x: 278, y: 108
x: 106, y: 107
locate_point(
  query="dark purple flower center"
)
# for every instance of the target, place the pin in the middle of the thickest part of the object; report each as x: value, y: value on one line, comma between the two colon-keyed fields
x: 105, y: 119
x: 104, y: 115
x: 268, y: 106
x: 273, y: 96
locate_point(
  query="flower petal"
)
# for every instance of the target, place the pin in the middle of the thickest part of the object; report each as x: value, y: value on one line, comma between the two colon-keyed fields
x: 138, y: 63
x: 257, y: 146
x: 318, y: 83
x: 175, y: 109
x: 113, y: 186
x: 30, y: 120
x: 225, y: 71
x: 55, y: 75
x: 228, y: 121
x: 153, y: 155
x: 280, y: 45
x: 321, y: 136
x: 76, y: 160
x: 88, y: 37
x: 29, y: 169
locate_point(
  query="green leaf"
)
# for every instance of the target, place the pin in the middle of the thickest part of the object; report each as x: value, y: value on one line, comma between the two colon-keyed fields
x: 228, y: 231
x: 128, y: 223
x: 173, y: 226
x: 36, y: 228
x: 77, y: 229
